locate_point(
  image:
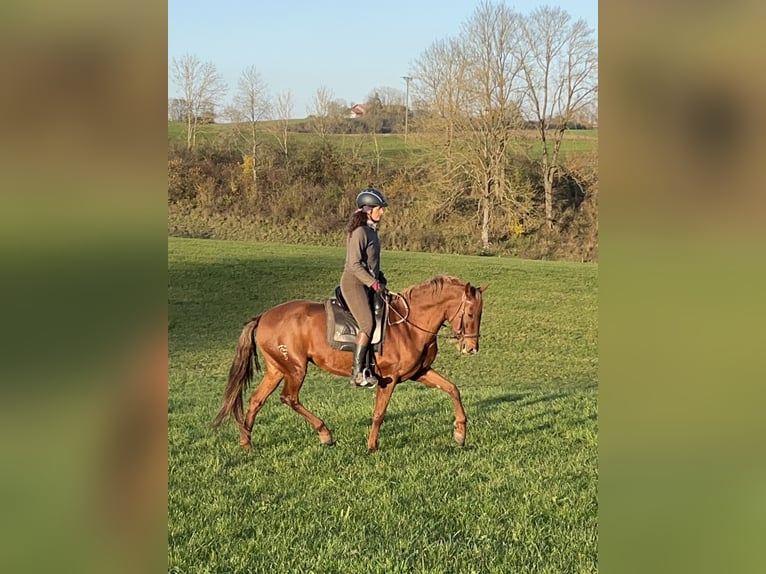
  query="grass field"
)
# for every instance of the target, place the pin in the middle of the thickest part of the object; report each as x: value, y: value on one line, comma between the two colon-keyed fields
x: 519, y: 497
x: 390, y: 146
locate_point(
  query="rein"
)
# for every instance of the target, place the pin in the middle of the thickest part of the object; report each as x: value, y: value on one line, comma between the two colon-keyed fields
x: 456, y: 334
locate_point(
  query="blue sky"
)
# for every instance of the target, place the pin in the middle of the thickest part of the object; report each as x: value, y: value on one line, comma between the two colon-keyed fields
x: 299, y: 45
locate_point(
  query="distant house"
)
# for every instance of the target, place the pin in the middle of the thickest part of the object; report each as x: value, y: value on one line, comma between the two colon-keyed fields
x: 357, y: 111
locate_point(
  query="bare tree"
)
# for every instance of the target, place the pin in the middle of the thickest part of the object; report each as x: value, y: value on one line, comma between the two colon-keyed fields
x: 283, y: 110
x: 321, y: 111
x: 490, y: 43
x: 389, y: 97
x: 472, y: 86
x: 477, y: 91
x: 176, y: 109
x: 251, y: 106
x: 440, y: 88
x: 561, y: 73
x: 336, y: 114
x: 202, y: 88
x: 385, y: 109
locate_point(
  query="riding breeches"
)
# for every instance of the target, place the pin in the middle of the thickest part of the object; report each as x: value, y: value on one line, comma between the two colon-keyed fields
x: 356, y: 295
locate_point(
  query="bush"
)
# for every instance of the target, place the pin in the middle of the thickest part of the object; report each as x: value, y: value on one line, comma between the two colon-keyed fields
x: 308, y: 197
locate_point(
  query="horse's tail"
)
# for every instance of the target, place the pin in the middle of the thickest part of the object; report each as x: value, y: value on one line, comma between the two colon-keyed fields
x: 240, y: 374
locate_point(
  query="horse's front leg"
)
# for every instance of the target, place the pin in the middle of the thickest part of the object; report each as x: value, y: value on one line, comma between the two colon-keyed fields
x: 433, y: 379
x: 382, y: 398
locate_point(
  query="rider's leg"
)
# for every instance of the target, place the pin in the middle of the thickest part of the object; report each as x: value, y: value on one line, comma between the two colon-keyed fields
x: 358, y: 302
x: 361, y: 375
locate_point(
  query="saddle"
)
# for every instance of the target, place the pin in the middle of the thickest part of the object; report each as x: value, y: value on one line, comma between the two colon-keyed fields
x: 342, y: 328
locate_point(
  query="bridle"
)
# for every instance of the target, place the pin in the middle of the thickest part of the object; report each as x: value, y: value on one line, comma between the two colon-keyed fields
x: 457, y: 333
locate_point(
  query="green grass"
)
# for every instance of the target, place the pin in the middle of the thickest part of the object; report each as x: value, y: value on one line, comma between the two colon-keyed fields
x: 519, y: 497
x: 390, y: 146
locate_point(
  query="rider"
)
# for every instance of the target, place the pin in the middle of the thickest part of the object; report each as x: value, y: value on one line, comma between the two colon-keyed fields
x: 362, y: 273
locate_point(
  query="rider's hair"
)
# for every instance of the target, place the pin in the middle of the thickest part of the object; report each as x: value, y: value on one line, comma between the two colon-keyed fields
x: 358, y: 219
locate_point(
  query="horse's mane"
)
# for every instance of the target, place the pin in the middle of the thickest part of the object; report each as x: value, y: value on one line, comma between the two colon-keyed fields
x: 435, y: 284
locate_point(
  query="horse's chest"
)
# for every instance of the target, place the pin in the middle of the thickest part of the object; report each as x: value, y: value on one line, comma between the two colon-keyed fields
x: 429, y: 354
x: 424, y: 360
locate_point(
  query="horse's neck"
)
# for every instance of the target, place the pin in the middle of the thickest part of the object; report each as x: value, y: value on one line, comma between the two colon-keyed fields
x: 430, y: 310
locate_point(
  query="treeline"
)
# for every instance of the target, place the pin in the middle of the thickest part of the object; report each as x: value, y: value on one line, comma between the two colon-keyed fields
x: 216, y: 190
x: 390, y: 120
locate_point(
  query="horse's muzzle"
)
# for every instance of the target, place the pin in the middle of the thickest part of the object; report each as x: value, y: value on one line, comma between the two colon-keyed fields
x: 468, y: 348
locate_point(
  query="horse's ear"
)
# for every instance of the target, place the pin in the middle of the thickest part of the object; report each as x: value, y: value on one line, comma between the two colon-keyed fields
x: 483, y: 288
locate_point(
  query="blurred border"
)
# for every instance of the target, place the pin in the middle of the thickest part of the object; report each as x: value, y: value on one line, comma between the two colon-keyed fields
x: 83, y: 248
x: 681, y: 287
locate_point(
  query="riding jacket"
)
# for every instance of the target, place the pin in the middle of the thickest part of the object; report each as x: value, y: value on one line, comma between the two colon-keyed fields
x: 361, y: 269
x: 363, y: 254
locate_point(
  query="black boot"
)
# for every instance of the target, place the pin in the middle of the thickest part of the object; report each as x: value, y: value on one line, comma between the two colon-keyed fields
x: 356, y: 368
x: 361, y: 376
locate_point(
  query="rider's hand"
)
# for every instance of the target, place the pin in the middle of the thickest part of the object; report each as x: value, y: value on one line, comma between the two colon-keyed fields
x: 380, y: 288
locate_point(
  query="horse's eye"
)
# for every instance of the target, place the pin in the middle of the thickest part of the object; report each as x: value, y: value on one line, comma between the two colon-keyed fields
x: 470, y: 315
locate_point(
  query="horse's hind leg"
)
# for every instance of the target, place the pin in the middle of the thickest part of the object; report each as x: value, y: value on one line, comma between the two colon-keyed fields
x: 289, y: 397
x: 268, y: 384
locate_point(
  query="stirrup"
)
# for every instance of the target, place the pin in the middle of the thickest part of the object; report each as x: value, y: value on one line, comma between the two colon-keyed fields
x: 370, y: 380
x: 365, y: 378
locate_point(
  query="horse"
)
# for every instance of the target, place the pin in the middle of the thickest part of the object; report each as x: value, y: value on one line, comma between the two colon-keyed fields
x: 293, y: 334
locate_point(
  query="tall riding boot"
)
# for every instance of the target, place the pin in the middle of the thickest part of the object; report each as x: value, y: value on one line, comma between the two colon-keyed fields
x: 361, y: 376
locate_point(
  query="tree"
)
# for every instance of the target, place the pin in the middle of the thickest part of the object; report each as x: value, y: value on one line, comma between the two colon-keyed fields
x: 491, y: 47
x: 283, y: 110
x: 439, y: 87
x: 202, y: 88
x: 472, y: 85
x: 384, y: 110
x: 251, y: 105
x: 336, y: 113
x: 321, y: 111
x: 176, y: 109
x: 387, y: 96
x: 560, y: 64
x: 476, y: 93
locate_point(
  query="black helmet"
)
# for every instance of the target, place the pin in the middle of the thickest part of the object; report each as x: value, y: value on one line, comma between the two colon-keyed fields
x: 370, y: 197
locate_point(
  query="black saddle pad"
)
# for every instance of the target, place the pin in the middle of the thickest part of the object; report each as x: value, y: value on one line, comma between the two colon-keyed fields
x: 342, y: 328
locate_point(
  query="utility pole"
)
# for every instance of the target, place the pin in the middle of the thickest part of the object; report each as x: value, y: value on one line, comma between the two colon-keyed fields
x: 406, y: 106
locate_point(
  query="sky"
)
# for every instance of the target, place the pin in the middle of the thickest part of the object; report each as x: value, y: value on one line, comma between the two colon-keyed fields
x: 350, y: 48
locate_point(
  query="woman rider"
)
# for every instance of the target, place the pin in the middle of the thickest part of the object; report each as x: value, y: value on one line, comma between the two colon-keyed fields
x: 361, y: 274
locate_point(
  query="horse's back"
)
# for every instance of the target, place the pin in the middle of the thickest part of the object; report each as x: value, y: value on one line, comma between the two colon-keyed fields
x: 291, y: 325
x: 291, y: 314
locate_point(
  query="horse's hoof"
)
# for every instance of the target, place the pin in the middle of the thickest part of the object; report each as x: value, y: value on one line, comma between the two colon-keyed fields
x: 460, y: 439
x: 247, y: 446
x: 325, y: 436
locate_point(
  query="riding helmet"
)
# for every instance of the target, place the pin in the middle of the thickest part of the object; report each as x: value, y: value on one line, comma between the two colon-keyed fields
x: 371, y: 197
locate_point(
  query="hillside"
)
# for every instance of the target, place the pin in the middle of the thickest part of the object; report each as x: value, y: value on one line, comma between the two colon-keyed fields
x: 302, y: 190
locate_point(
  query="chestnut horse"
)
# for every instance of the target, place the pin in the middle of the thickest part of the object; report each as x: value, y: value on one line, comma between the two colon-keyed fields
x: 294, y: 333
